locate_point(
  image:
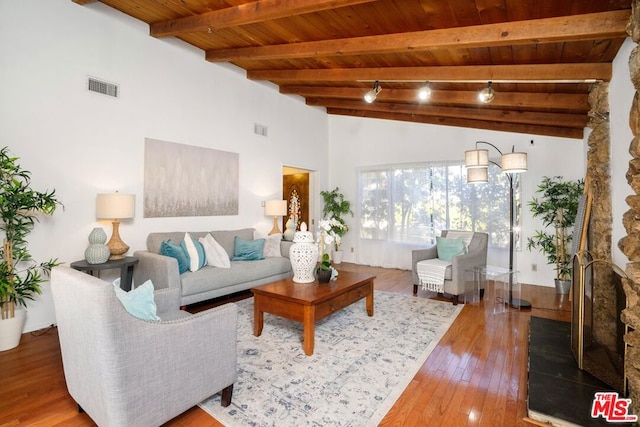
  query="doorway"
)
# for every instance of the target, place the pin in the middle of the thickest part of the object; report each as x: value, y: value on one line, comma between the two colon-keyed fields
x: 297, y: 185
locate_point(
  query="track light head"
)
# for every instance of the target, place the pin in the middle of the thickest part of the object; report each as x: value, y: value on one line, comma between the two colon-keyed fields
x: 425, y: 92
x: 487, y: 94
x: 373, y: 93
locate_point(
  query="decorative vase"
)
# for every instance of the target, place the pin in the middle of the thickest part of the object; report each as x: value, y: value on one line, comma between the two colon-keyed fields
x: 290, y: 229
x: 303, y: 255
x: 336, y: 256
x: 11, y: 330
x: 97, y: 252
x: 324, y: 276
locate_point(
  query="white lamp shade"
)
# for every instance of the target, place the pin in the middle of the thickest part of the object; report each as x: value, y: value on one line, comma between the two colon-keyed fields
x: 115, y: 206
x: 514, y: 162
x: 275, y: 208
x: 476, y: 158
x: 477, y: 175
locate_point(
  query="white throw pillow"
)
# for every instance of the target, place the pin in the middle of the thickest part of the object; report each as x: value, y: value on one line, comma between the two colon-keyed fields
x: 216, y: 255
x: 271, y: 244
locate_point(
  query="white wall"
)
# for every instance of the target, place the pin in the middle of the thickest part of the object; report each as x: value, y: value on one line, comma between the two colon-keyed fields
x: 358, y: 142
x: 80, y: 143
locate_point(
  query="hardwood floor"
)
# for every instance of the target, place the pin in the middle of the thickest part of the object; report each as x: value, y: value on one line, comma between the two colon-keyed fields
x: 477, y: 375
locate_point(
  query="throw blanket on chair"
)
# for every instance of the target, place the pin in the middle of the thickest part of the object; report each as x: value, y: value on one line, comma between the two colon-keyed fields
x: 431, y: 274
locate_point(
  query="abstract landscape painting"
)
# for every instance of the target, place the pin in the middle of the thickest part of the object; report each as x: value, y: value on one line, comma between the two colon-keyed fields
x: 184, y: 180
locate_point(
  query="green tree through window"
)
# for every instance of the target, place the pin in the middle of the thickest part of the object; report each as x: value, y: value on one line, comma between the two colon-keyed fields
x: 413, y: 203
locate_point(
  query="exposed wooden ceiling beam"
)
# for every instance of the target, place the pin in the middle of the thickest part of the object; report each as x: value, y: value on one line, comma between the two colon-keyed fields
x: 243, y: 14
x: 591, y: 26
x: 521, y: 72
x: 557, y: 101
x: 578, y: 121
x: 475, y: 124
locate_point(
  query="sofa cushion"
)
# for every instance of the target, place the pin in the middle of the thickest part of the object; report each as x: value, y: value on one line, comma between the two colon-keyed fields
x: 248, y: 250
x: 226, y: 238
x: 240, y: 272
x: 174, y: 250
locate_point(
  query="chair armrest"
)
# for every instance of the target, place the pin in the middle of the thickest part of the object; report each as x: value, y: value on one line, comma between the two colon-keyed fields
x: 467, y: 262
x: 285, y: 245
x: 420, y: 255
x: 167, y: 299
x: 161, y: 270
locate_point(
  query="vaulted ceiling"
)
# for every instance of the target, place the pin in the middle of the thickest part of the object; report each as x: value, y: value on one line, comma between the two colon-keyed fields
x: 542, y: 56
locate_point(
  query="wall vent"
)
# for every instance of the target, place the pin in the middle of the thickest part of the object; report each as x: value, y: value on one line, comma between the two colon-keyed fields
x: 259, y: 129
x: 105, y: 88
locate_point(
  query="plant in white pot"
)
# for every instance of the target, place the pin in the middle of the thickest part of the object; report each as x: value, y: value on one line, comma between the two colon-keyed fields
x: 20, y: 276
x: 335, y: 207
x: 558, y: 207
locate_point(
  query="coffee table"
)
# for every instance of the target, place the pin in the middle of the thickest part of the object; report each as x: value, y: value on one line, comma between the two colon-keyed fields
x: 309, y: 302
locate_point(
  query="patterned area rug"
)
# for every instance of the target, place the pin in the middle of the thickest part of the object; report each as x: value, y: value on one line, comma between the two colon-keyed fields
x: 359, y: 367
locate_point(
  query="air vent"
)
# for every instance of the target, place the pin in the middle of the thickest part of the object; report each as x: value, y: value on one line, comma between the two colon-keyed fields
x: 99, y: 86
x: 259, y: 129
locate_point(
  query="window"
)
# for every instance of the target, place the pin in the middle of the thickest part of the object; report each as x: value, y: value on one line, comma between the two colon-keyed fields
x: 413, y: 203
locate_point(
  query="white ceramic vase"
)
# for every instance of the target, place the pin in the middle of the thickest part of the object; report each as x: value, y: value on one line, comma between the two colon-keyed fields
x: 336, y: 256
x: 11, y: 330
x: 303, y: 255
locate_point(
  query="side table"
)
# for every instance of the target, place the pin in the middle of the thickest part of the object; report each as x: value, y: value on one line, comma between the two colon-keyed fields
x: 125, y: 265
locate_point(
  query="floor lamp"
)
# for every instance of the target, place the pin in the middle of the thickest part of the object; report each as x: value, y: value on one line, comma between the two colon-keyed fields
x: 477, y: 165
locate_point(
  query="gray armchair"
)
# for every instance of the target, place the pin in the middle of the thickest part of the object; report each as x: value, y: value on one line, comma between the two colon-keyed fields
x: 124, y: 371
x: 456, y: 274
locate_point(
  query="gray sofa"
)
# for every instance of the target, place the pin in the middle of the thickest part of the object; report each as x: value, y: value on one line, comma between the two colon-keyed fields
x: 208, y: 282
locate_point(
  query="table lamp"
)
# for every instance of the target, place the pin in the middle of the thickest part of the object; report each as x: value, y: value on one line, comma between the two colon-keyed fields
x: 116, y: 206
x: 275, y: 208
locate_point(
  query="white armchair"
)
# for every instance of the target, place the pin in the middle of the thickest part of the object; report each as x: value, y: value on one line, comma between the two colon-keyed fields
x: 455, y: 276
x: 124, y: 371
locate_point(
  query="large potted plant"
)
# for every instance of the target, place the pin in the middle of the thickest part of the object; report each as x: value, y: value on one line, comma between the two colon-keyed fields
x: 335, y: 207
x: 20, y: 276
x: 557, y: 206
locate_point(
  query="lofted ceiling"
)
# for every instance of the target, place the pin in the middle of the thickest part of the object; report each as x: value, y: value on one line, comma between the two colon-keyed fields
x: 542, y: 56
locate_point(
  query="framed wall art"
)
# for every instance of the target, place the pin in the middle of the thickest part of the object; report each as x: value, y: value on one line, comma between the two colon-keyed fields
x: 185, y: 180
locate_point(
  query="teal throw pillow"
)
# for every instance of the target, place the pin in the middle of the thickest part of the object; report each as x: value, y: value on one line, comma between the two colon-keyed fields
x: 448, y: 248
x: 138, y: 301
x: 248, y: 250
x: 195, y: 252
x: 168, y: 248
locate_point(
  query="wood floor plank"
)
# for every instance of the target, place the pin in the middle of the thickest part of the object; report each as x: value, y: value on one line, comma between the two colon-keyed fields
x: 475, y: 376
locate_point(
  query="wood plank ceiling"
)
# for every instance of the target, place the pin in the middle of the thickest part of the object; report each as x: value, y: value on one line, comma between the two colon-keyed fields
x: 542, y: 56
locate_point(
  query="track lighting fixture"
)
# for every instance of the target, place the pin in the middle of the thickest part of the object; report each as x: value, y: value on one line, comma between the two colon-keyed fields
x: 373, y: 93
x: 425, y: 92
x: 487, y: 94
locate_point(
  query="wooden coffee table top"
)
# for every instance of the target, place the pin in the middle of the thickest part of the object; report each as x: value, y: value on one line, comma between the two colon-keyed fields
x: 313, y: 293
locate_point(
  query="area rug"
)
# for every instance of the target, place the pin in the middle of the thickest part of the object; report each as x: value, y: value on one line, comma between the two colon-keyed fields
x: 359, y: 367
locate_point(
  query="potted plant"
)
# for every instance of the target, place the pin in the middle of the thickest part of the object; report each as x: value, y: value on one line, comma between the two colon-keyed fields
x: 20, y: 276
x: 324, y: 270
x: 335, y: 207
x: 557, y: 207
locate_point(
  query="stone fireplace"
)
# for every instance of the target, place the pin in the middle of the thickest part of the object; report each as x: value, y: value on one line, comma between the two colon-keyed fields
x: 630, y: 244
